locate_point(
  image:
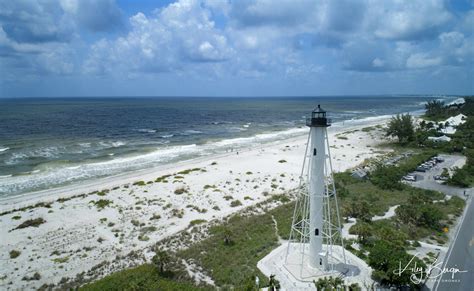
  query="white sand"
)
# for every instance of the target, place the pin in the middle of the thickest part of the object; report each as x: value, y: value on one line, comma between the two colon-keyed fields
x: 73, y: 227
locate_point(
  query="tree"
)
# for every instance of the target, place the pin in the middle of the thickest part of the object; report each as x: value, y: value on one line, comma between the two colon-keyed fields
x: 363, y: 231
x: 273, y: 284
x: 161, y: 259
x: 333, y: 283
x: 227, y: 236
x: 422, y: 124
x: 386, y: 259
x: 434, y: 108
x: 358, y: 209
x: 401, y: 126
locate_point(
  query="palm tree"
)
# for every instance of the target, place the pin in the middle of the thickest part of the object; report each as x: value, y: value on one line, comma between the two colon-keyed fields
x: 161, y: 259
x: 273, y: 284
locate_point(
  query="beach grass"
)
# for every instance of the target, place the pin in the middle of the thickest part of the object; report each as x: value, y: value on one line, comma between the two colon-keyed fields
x: 144, y: 277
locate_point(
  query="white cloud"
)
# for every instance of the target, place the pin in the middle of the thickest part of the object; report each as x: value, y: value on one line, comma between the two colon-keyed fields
x: 422, y: 60
x: 165, y: 41
x: 408, y: 20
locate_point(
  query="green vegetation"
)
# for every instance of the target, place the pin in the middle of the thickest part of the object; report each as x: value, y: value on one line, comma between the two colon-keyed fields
x: 161, y: 259
x: 103, y: 192
x: 185, y: 172
x: 16, y: 217
x: 368, y: 129
x: 36, y: 276
x: 139, y: 183
x: 282, y: 161
x: 31, y: 223
x: 389, y: 177
x: 155, y: 216
x: 179, y: 213
x: 14, y: 254
x: 335, y: 283
x: 197, y: 221
x: 402, y: 127
x: 437, y: 110
x: 464, y: 177
x: 180, y: 190
x: 235, y: 203
x: 461, y: 142
x: 101, y: 203
x: 342, y: 137
x: 230, y: 252
x: 61, y: 260
x: 385, y: 258
x: 162, y: 179
x: 144, y: 277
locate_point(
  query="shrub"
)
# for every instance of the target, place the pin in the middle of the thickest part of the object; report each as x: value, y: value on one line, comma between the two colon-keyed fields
x: 14, y: 254
x: 180, y: 191
x: 61, y: 260
x: 155, y: 216
x: 139, y: 183
x: 143, y: 237
x: 197, y: 221
x: 189, y: 171
x: 179, y: 213
x: 31, y: 223
x: 235, y: 203
x: 282, y: 161
x: 103, y: 192
x: 102, y: 203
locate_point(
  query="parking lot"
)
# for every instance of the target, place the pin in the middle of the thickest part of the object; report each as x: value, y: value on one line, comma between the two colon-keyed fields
x: 426, y: 179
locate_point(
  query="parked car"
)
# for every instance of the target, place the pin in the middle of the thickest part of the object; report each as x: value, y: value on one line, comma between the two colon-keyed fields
x: 440, y: 178
x: 410, y: 178
x: 420, y: 169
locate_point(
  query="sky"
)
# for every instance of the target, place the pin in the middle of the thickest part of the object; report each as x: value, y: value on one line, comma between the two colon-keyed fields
x: 60, y: 48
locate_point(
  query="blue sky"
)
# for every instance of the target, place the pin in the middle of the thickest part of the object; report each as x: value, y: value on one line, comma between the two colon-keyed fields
x: 235, y: 48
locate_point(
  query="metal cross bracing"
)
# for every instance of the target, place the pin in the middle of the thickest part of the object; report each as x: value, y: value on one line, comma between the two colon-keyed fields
x: 300, y: 230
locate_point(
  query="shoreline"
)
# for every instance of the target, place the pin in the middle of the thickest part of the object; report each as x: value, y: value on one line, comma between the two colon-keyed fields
x: 76, y: 188
x: 84, y: 231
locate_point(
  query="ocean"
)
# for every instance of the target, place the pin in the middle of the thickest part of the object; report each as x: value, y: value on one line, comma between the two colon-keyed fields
x: 52, y: 142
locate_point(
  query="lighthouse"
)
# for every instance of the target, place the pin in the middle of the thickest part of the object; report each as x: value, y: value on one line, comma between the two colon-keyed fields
x: 316, y: 186
x: 315, y: 247
x: 316, y: 225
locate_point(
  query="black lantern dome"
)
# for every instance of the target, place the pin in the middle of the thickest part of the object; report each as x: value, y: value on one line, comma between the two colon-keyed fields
x: 318, y: 118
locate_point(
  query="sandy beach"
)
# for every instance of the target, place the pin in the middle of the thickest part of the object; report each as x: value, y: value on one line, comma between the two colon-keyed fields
x: 89, y: 223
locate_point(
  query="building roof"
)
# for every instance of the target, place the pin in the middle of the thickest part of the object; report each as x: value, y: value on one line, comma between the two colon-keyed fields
x: 319, y: 109
x: 440, y: 138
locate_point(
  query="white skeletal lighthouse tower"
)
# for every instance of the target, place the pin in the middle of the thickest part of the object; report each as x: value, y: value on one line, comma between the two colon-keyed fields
x: 315, y: 246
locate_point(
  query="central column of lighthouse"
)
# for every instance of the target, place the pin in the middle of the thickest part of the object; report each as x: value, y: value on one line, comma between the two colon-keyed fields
x: 316, y: 193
